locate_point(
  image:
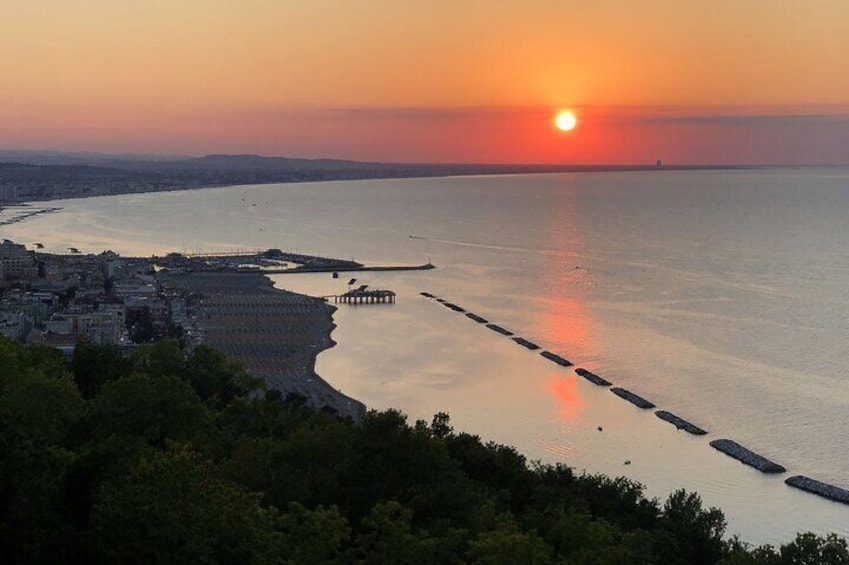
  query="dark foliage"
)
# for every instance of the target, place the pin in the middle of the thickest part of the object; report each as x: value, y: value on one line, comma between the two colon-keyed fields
x: 162, y: 457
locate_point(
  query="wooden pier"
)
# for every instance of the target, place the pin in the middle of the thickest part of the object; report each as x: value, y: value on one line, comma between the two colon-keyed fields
x: 362, y: 296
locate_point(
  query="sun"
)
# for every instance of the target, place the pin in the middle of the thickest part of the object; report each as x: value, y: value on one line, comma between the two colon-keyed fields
x: 566, y: 121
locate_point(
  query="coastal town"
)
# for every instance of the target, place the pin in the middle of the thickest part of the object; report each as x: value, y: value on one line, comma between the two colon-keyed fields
x: 224, y: 301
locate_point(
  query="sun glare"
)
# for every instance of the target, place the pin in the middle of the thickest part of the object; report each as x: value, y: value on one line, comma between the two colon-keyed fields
x: 566, y: 121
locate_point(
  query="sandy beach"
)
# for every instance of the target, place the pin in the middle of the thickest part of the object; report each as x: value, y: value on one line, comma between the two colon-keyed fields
x: 276, y: 334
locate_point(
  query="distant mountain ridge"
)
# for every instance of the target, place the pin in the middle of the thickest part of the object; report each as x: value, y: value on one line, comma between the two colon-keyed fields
x: 47, y: 175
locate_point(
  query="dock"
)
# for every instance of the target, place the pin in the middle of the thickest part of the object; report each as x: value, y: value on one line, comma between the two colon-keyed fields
x: 363, y: 296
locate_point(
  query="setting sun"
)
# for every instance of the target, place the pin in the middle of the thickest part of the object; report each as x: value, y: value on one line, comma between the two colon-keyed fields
x: 566, y: 121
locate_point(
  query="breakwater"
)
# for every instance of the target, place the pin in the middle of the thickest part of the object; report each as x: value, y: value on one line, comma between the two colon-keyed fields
x: 747, y: 457
x: 680, y: 423
x: 556, y: 358
x: 819, y: 488
x: 634, y: 399
x: 726, y: 446
x: 476, y: 318
x: 499, y: 329
x: 525, y: 343
x: 592, y: 377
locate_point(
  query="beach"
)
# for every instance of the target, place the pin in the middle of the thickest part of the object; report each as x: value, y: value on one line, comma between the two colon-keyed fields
x: 275, y: 334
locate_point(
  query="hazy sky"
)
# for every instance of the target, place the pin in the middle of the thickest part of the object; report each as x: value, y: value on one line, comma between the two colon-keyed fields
x: 721, y: 81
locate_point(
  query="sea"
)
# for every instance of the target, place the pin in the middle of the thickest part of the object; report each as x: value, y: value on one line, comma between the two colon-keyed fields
x: 720, y: 295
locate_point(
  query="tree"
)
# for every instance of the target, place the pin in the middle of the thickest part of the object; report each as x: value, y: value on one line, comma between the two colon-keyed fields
x: 217, y: 379
x: 313, y: 536
x: 810, y: 549
x: 36, y: 414
x: 151, y: 408
x: 173, y: 508
x: 508, y: 545
x: 695, y: 535
x: 94, y: 365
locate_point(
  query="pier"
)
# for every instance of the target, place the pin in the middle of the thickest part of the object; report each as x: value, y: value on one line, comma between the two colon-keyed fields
x: 362, y: 296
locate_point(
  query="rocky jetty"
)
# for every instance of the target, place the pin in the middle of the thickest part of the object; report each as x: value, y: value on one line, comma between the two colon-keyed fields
x: 740, y: 453
x: 476, y: 318
x: 819, y: 488
x: 499, y: 329
x: 634, y: 399
x: 427, y: 295
x: 592, y: 377
x: 556, y: 358
x: 525, y: 343
x: 453, y: 306
x: 680, y: 423
x: 441, y: 300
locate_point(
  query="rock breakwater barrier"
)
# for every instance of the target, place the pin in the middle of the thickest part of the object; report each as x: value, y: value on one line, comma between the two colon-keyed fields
x: 634, y: 399
x: 476, y: 318
x: 726, y: 446
x: 525, y: 343
x: 747, y: 457
x: 819, y: 488
x: 680, y: 423
x: 556, y: 358
x: 592, y: 377
x: 499, y: 329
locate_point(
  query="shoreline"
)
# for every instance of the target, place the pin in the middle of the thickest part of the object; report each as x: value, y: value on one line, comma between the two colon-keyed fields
x: 440, y: 171
x: 276, y: 334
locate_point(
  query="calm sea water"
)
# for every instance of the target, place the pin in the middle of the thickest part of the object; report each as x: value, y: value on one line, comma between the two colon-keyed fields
x: 722, y: 296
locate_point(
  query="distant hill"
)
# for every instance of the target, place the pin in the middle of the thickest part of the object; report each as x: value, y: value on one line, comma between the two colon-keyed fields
x: 45, y: 175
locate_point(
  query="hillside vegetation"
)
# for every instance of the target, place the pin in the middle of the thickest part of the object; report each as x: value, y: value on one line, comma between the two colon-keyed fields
x: 160, y: 457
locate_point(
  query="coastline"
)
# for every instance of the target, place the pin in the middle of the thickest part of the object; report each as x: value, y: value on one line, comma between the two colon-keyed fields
x: 384, y: 171
x: 552, y: 442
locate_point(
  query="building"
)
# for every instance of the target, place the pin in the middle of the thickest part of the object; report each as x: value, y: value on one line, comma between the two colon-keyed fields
x: 16, y: 263
x: 8, y: 193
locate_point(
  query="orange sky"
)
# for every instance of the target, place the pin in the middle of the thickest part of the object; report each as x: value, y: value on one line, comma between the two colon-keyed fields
x: 471, y: 80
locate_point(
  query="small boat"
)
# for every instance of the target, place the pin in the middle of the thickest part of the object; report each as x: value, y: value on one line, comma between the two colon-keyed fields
x: 335, y: 275
x: 352, y: 281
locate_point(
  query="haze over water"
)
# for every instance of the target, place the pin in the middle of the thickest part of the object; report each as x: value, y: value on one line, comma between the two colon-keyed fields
x: 722, y: 296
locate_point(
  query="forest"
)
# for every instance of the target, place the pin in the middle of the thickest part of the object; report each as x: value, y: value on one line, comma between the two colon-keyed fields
x: 161, y: 457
